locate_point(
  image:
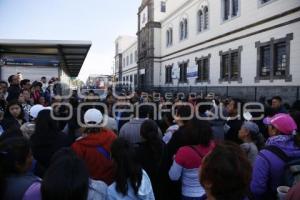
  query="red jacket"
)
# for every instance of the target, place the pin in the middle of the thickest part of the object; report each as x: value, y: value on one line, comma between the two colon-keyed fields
x: 100, y: 167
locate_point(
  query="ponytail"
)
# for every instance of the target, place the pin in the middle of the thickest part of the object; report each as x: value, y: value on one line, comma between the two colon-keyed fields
x: 149, y: 131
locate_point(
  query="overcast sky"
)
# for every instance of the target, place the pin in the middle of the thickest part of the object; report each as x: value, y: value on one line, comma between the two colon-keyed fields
x: 99, y: 21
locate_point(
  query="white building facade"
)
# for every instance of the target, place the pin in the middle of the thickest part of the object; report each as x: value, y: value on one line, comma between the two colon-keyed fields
x: 126, y: 59
x: 230, y: 47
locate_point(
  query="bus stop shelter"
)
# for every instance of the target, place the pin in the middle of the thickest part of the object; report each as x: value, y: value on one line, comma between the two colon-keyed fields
x: 37, y: 58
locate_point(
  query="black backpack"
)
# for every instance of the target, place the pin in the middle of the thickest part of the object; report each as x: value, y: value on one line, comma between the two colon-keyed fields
x: 292, y: 166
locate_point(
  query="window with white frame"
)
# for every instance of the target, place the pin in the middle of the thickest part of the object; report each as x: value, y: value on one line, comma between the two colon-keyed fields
x: 273, y: 59
x: 203, y: 19
x: 162, y: 6
x: 230, y: 9
x: 183, y: 29
x: 127, y: 60
x: 169, y: 37
x: 131, y: 58
x: 124, y: 62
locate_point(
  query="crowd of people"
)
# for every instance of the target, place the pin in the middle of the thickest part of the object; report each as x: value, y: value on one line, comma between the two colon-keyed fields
x: 123, y: 151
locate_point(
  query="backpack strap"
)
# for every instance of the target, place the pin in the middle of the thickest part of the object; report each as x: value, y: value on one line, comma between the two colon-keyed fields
x: 199, y: 154
x: 278, y: 152
x: 103, y: 151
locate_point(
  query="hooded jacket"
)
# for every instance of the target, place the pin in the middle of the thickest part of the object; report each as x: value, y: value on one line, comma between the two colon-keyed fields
x: 94, y: 149
x: 145, y: 191
x: 268, y: 168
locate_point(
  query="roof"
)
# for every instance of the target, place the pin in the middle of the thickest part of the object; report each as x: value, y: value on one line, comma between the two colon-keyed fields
x: 70, y: 54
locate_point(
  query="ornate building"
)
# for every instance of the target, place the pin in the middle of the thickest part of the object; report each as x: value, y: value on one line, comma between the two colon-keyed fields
x: 229, y: 47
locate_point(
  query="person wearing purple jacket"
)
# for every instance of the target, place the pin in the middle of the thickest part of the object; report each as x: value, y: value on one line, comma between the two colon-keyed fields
x: 268, y: 169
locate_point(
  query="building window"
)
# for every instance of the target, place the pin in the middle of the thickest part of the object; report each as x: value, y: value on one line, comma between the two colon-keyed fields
x: 127, y: 60
x: 225, y: 67
x: 162, y: 6
x: 169, y: 74
x: 265, y: 57
x: 230, y: 66
x: 274, y: 59
x: 235, y: 8
x: 205, y: 10
x: 280, y: 59
x: 169, y: 37
x: 183, y: 27
x: 183, y: 72
x: 200, y: 20
x: 230, y: 9
x: 235, y: 66
x: 203, y: 19
x: 124, y: 62
x: 135, y: 56
x: 131, y: 58
x: 203, y: 69
x: 226, y: 9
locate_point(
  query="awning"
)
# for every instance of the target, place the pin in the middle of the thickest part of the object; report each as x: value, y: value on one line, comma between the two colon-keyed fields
x: 70, y: 55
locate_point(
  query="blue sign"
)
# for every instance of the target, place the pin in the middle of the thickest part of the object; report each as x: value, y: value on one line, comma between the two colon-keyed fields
x: 30, y: 62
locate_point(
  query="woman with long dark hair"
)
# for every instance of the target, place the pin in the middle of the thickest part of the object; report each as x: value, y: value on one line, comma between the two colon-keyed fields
x: 14, y: 116
x: 151, y: 148
x: 46, y: 140
x: 68, y: 178
x: 131, y: 181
